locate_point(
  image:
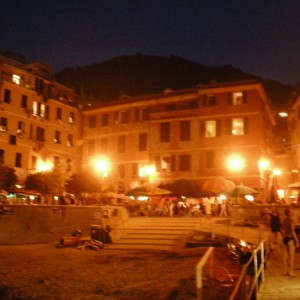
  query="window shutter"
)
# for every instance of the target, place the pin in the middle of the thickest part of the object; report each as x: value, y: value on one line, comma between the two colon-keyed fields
x: 218, y: 131
x: 173, y: 163
x: 229, y: 126
x: 202, y: 128
x: 229, y: 98
x: 246, y: 125
x: 245, y: 96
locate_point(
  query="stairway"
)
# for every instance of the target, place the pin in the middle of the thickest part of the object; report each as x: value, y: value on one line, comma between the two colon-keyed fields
x: 152, y: 233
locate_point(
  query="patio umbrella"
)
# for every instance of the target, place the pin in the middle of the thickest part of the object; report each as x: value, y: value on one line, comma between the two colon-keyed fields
x: 183, y: 187
x: 217, y: 185
x: 240, y: 190
x: 294, y: 185
x: 158, y: 192
x: 136, y: 192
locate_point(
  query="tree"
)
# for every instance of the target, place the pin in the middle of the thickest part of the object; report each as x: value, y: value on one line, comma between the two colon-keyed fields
x: 8, y: 178
x: 83, y: 183
x: 47, y: 183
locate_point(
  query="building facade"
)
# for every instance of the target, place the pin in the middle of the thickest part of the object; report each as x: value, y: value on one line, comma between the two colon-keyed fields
x: 189, y: 133
x: 38, y: 120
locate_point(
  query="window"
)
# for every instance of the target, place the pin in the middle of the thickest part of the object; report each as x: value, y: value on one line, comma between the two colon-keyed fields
x: 136, y: 114
x: 209, y: 100
x: 122, y: 144
x: 117, y: 117
x: 121, y: 171
x: 135, y: 170
x: 57, y: 162
x: 143, y: 139
x: 105, y: 120
x: 72, y: 117
x: 12, y: 139
x: 91, y: 147
x: 238, y: 126
x: 238, y: 98
x: 125, y: 117
x: 184, y: 162
x: 33, y: 162
x: 210, y: 159
x: 7, y: 96
x: 211, y: 128
x: 38, y: 109
x: 21, y: 129
x: 3, y: 124
x: 18, y: 162
x: 47, y: 112
x: 58, y: 113
x: 167, y: 163
x: 193, y: 104
x: 104, y: 145
x: 16, y: 79
x: 70, y: 142
x: 2, y: 153
x: 92, y: 122
x: 40, y: 134
x: 69, y: 165
x: 165, y: 132
x: 57, y: 137
x: 24, y: 101
x: 145, y: 114
x: 185, y: 131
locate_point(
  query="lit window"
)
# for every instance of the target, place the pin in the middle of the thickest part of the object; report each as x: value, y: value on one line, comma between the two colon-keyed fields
x: 237, y: 98
x: 70, y: 140
x: 238, y: 126
x: 34, y: 108
x: 211, y: 128
x: 16, y: 79
x: 72, y: 117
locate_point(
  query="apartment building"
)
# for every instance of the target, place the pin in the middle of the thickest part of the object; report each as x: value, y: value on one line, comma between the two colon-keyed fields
x: 293, y: 164
x: 39, y: 120
x: 188, y: 133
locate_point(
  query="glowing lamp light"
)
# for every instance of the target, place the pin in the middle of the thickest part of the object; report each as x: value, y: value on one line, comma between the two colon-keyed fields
x: 31, y: 197
x: 249, y: 198
x: 102, y: 165
x: 55, y: 198
x: 223, y: 197
x: 147, y: 171
x: 264, y: 164
x: 235, y: 163
x: 283, y: 114
x: 277, y: 172
x: 44, y: 166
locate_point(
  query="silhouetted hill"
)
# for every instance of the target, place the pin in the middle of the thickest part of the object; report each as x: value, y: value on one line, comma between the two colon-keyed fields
x: 144, y: 74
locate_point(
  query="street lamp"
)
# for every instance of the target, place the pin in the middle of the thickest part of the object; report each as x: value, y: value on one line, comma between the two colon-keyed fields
x: 102, y: 165
x: 235, y: 163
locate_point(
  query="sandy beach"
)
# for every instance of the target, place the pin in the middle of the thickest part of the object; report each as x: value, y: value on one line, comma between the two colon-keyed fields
x: 46, y: 272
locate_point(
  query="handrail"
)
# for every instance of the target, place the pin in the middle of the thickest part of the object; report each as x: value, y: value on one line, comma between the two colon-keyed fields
x: 258, y: 271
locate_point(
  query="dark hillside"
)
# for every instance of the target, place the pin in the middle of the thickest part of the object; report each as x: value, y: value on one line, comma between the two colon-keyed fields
x: 144, y: 74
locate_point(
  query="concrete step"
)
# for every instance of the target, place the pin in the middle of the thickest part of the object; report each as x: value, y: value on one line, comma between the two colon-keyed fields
x: 153, y: 233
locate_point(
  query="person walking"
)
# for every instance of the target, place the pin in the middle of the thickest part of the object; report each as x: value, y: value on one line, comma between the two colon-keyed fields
x: 290, y: 241
x: 275, y: 226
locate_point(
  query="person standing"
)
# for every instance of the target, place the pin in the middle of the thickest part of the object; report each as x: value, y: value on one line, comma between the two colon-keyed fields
x: 290, y: 241
x: 275, y: 226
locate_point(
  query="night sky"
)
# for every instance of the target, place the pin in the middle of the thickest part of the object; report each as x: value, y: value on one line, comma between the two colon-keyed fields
x: 259, y: 37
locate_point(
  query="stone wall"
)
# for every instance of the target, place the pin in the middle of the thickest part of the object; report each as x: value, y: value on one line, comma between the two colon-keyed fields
x: 29, y: 224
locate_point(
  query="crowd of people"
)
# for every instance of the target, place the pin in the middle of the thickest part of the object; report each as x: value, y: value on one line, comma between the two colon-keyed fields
x: 174, y: 207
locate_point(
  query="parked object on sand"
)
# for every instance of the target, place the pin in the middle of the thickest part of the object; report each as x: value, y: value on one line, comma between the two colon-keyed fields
x: 73, y: 240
